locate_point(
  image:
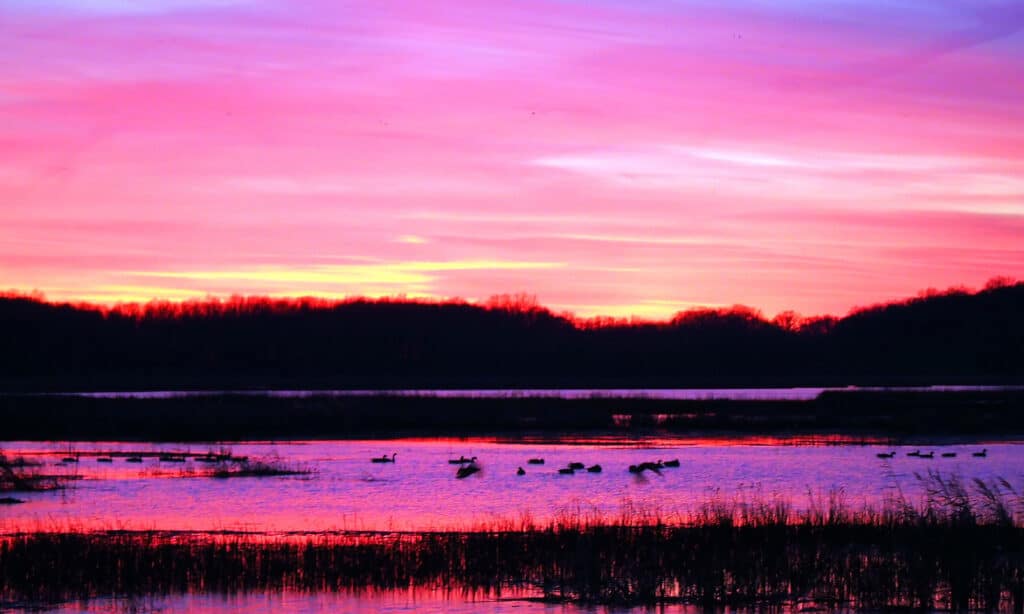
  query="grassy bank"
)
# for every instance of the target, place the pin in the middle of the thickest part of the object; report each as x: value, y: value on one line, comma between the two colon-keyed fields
x: 961, y: 549
x: 239, y: 417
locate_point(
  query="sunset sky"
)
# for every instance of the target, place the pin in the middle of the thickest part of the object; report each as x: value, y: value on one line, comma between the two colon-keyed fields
x: 610, y: 157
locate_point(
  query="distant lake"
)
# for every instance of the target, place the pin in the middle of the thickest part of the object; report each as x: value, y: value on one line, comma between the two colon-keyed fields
x: 419, y: 491
x: 736, y: 394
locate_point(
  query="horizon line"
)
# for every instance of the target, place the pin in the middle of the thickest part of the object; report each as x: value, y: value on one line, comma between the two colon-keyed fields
x: 517, y: 301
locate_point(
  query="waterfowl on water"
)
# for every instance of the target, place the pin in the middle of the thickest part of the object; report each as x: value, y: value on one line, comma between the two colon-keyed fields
x: 133, y: 459
x: 462, y: 460
x: 535, y: 461
x: 672, y: 463
x: 521, y: 471
x: 567, y: 471
x: 981, y: 454
x: 948, y: 454
x: 69, y: 459
x: 594, y: 469
x: 914, y: 453
x: 104, y: 459
x: 655, y: 467
x: 576, y: 465
x: 467, y: 471
x: 928, y: 455
x: 383, y: 458
x: 886, y: 454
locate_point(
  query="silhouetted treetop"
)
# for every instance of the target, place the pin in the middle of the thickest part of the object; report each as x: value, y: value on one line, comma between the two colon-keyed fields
x: 936, y: 334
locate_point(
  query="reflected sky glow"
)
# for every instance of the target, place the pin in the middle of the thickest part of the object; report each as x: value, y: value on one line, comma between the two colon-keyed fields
x: 419, y: 491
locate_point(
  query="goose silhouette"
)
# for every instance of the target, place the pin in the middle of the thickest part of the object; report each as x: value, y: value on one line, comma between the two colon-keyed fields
x: 655, y: 467
x: 467, y: 470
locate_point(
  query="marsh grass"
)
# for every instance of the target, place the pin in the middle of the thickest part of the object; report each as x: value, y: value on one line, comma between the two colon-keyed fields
x: 18, y: 474
x: 256, y: 468
x: 235, y: 468
x: 960, y: 548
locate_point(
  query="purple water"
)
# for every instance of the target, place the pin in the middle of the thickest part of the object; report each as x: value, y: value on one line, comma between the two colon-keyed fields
x: 419, y: 491
x: 735, y: 394
x: 295, y: 603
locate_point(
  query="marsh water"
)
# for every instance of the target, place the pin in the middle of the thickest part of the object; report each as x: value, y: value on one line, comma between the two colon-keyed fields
x: 795, y: 393
x: 397, y: 601
x: 344, y: 490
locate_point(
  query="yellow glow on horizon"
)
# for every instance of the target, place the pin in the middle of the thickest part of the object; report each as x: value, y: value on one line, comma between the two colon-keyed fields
x: 652, y: 310
x: 406, y: 274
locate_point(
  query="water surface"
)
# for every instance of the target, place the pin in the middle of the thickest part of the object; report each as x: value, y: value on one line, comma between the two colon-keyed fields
x: 419, y: 491
x: 392, y: 601
x: 679, y: 394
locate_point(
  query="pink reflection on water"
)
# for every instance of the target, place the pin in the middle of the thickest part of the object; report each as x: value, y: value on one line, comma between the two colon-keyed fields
x: 411, y: 600
x: 419, y: 491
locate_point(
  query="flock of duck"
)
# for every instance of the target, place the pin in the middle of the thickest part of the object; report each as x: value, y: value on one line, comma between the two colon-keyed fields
x: 208, y: 457
x: 469, y: 466
x: 920, y: 454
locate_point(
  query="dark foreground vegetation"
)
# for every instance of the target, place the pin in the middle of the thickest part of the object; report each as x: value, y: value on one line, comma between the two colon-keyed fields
x: 962, y: 549
x: 219, y: 417
x: 18, y: 474
x: 510, y: 341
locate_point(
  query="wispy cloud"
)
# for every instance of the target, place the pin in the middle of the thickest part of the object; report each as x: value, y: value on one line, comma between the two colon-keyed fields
x: 631, y: 155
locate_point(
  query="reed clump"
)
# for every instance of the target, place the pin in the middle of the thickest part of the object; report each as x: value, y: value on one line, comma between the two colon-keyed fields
x: 961, y: 548
x: 257, y: 468
x: 18, y: 474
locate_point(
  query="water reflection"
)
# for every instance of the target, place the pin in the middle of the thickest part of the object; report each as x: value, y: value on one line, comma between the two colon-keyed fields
x: 804, y: 393
x: 415, y: 600
x: 419, y: 492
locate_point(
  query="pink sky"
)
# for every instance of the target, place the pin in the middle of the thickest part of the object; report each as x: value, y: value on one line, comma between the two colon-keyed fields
x: 609, y: 157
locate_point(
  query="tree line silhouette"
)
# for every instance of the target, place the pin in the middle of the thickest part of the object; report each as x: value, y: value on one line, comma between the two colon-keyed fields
x: 509, y: 340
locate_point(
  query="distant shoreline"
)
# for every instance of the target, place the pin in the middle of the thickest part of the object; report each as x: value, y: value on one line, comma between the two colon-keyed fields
x: 69, y: 383
x: 873, y: 415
